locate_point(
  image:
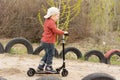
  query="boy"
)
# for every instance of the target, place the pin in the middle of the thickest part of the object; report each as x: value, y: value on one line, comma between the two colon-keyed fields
x: 49, y: 38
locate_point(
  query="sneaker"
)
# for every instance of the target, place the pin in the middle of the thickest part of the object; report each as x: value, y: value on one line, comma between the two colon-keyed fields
x: 49, y: 69
x: 39, y: 70
x: 41, y: 67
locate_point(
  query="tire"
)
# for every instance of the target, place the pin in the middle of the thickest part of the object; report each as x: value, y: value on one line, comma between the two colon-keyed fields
x: 1, y: 48
x: 2, y: 78
x: 31, y: 72
x: 64, y: 73
x: 71, y: 49
x: 98, y: 76
x: 109, y: 55
x: 40, y: 48
x: 23, y: 41
x: 97, y: 53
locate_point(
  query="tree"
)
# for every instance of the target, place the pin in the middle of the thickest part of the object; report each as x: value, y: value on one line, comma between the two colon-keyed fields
x: 68, y: 8
x: 101, y: 14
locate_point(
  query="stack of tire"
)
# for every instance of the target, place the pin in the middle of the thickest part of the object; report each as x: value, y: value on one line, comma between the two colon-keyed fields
x: 22, y: 41
x: 108, y: 55
x: 97, y: 54
x: 14, y: 41
x: 38, y: 50
x: 103, y: 58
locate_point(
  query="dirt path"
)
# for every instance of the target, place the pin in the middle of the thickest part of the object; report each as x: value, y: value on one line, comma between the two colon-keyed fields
x: 14, y: 67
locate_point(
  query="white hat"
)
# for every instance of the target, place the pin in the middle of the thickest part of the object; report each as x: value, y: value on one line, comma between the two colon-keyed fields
x: 51, y: 11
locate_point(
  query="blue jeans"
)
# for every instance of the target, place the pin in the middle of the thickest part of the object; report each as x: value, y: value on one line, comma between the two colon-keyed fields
x: 49, y: 52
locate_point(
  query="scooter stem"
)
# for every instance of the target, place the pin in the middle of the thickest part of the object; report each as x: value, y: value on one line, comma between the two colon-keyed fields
x: 63, y: 48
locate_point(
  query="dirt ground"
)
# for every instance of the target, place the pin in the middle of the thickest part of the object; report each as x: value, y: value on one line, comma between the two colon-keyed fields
x: 14, y: 67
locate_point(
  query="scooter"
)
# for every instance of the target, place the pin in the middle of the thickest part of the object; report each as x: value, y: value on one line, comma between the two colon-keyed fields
x: 64, y: 71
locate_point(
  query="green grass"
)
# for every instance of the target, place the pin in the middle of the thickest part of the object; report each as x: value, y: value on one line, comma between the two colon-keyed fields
x: 18, y: 49
x: 115, y: 60
x: 71, y: 56
x: 93, y: 58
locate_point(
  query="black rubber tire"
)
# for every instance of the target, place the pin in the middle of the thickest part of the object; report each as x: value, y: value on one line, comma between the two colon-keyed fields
x: 64, y: 73
x: 109, y: 57
x: 97, y: 53
x: 71, y: 49
x: 31, y: 72
x: 1, y: 48
x: 18, y: 40
x: 2, y: 78
x: 49, y: 78
x: 40, y: 48
x: 98, y: 76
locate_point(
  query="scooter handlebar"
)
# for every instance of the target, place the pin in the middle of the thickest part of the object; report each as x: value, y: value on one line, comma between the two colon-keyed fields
x: 66, y: 34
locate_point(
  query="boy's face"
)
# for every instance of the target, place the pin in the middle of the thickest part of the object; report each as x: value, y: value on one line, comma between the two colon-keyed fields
x: 56, y: 17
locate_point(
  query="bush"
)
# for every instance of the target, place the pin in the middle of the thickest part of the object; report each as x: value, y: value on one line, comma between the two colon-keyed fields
x: 20, y: 18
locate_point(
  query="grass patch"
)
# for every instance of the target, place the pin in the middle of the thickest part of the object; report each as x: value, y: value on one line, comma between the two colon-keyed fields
x: 94, y: 58
x: 71, y: 56
x: 115, y: 60
x: 18, y: 49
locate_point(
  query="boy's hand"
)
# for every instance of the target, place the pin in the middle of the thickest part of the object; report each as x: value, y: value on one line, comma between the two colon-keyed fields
x: 65, y: 33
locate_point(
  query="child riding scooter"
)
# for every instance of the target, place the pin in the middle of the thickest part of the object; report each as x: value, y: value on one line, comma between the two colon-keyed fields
x: 48, y: 39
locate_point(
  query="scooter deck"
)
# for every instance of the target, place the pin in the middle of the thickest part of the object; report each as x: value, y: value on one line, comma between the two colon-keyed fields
x: 46, y: 72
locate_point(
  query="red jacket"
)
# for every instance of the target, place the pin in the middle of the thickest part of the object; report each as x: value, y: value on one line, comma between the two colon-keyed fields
x: 50, y: 31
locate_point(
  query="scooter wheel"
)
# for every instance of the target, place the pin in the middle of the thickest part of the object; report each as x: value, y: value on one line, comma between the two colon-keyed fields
x: 64, y: 73
x: 31, y: 72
